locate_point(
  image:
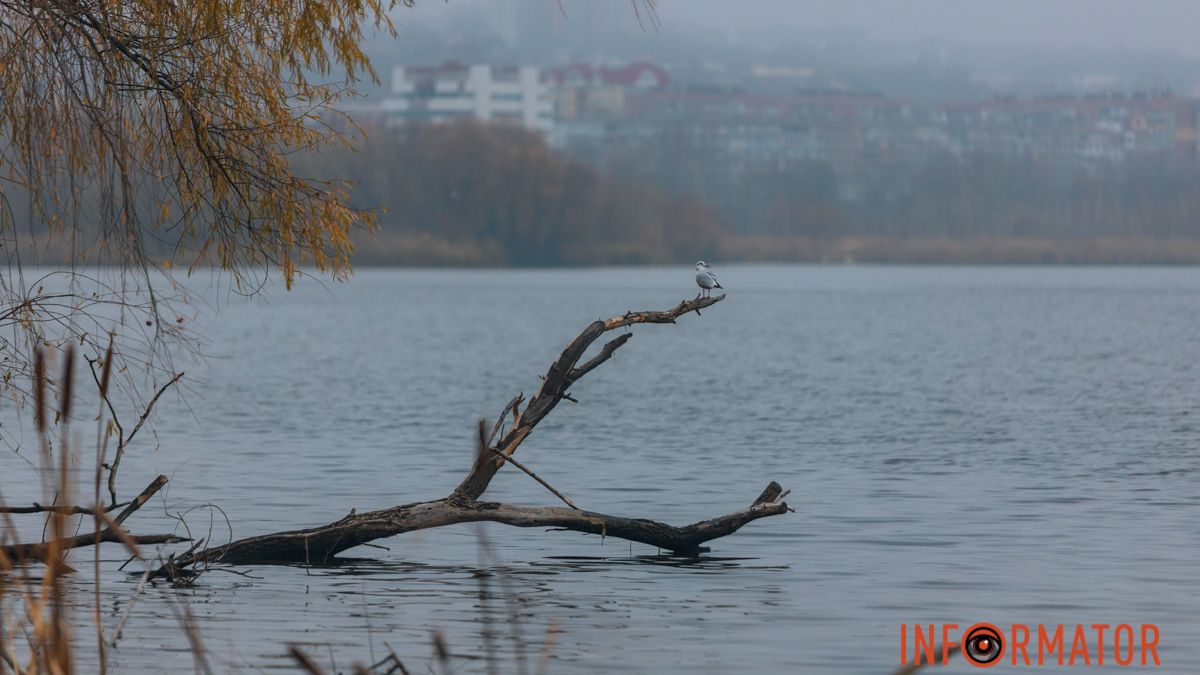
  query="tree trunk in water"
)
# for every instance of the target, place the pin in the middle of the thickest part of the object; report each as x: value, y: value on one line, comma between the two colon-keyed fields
x: 320, y: 545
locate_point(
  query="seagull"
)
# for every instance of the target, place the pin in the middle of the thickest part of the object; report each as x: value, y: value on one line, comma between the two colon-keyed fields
x: 706, y: 280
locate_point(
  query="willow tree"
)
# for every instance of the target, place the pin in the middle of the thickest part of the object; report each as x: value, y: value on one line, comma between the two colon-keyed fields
x: 149, y: 135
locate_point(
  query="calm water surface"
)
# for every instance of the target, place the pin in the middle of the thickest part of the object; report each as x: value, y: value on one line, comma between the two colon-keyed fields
x: 963, y: 444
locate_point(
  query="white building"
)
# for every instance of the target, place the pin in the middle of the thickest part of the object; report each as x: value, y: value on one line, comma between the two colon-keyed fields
x: 488, y: 93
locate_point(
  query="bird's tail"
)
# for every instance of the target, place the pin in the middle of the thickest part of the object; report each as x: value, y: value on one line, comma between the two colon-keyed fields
x: 720, y: 286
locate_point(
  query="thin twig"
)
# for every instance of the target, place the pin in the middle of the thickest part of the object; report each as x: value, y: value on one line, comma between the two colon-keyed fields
x: 124, y: 442
x: 484, y: 444
x: 534, y: 476
x: 66, y: 510
x: 149, y: 407
x: 397, y: 664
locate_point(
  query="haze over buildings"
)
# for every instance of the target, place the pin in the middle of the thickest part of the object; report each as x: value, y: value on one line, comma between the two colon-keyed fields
x: 1022, y: 45
x: 604, y: 113
x: 927, y: 119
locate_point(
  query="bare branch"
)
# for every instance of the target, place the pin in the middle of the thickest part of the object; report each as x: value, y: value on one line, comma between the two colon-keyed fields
x: 322, y: 543
x: 66, y: 510
x: 484, y: 447
x: 562, y: 374
x: 140, y: 501
x: 124, y: 442
x: 112, y: 533
x: 605, y: 354
x: 462, y: 505
x: 26, y: 552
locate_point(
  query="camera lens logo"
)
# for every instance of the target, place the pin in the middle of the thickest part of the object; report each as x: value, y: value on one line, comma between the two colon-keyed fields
x: 982, y: 645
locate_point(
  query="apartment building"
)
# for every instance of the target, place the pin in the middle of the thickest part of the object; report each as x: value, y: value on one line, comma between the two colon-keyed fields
x: 512, y: 94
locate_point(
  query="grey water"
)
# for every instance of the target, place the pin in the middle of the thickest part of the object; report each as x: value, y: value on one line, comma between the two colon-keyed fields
x: 1012, y: 445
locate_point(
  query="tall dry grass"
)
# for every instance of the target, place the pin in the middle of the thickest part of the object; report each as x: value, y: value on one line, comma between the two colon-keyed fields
x: 35, y: 615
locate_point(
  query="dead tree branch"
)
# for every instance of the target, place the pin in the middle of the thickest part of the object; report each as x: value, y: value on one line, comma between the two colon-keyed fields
x: 113, y: 532
x: 65, y: 510
x: 125, y: 440
x: 484, y: 447
x: 563, y: 373
x: 320, y: 544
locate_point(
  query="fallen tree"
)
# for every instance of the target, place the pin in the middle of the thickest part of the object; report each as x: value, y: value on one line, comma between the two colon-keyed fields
x: 320, y: 544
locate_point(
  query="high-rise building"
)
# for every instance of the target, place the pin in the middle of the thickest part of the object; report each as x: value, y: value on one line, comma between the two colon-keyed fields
x: 451, y: 91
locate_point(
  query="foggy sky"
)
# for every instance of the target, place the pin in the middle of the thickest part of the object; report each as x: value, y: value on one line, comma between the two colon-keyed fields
x: 1155, y: 25
x: 1166, y: 25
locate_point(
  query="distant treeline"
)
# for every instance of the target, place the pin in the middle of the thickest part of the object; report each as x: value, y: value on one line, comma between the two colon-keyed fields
x: 473, y: 194
x: 940, y: 195
x: 466, y: 193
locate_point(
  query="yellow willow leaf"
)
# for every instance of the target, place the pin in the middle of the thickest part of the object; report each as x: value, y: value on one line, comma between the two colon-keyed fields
x: 217, y: 139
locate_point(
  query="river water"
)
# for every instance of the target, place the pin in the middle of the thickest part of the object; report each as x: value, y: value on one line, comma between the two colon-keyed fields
x: 1012, y: 445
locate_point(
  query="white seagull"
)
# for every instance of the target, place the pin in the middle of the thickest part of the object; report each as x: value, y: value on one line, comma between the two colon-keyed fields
x: 706, y: 280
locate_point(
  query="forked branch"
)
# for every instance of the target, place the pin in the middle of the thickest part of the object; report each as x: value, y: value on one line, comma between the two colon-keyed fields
x: 112, y: 532
x: 320, y: 544
x: 123, y: 440
x: 563, y: 373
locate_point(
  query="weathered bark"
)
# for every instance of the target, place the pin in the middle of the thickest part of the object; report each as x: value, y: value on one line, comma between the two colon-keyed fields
x: 320, y: 544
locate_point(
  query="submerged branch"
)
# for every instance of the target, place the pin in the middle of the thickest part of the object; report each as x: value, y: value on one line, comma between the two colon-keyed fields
x: 318, y: 545
x: 65, y: 510
x: 113, y: 532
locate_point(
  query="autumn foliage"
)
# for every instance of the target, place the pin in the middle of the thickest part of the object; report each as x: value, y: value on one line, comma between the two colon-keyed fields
x: 145, y: 135
x: 142, y: 120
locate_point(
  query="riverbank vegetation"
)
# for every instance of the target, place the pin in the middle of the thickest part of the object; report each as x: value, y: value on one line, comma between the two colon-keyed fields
x: 469, y: 194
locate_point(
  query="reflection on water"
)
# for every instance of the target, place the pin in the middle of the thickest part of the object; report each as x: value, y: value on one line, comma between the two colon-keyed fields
x: 1003, y: 445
